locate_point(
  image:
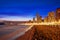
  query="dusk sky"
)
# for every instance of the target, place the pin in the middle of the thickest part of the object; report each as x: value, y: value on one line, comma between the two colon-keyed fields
x: 26, y: 9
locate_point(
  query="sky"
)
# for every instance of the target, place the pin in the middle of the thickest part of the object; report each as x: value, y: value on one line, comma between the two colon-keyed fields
x: 26, y: 9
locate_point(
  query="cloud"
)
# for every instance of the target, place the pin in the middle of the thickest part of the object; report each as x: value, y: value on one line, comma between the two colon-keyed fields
x: 15, y: 18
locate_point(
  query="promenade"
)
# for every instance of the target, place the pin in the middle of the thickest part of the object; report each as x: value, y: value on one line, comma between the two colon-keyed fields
x: 32, y: 31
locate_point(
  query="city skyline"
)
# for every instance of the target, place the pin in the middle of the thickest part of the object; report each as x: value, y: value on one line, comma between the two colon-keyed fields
x: 27, y: 18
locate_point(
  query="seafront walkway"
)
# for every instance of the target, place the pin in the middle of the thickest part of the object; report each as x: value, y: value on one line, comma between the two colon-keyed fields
x: 30, y: 31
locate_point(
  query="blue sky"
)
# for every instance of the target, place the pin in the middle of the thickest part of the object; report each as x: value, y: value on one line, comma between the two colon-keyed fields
x: 27, y: 8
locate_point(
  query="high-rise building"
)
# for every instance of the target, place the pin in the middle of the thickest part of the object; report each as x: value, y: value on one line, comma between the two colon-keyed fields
x: 38, y: 18
x: 46, y: 19
x: 51, y: 17
x: 34, y: 19
x: 58, y: 14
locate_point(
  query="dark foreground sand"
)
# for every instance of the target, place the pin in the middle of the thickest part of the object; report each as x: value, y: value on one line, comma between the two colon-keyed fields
x: 44, y: 32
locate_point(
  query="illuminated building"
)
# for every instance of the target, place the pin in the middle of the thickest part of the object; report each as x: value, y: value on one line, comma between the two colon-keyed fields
x: 46, y: 19
x: 51, y: 17
x: 34, y: 19
x: 58, y: 14
x: 38, y: 18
